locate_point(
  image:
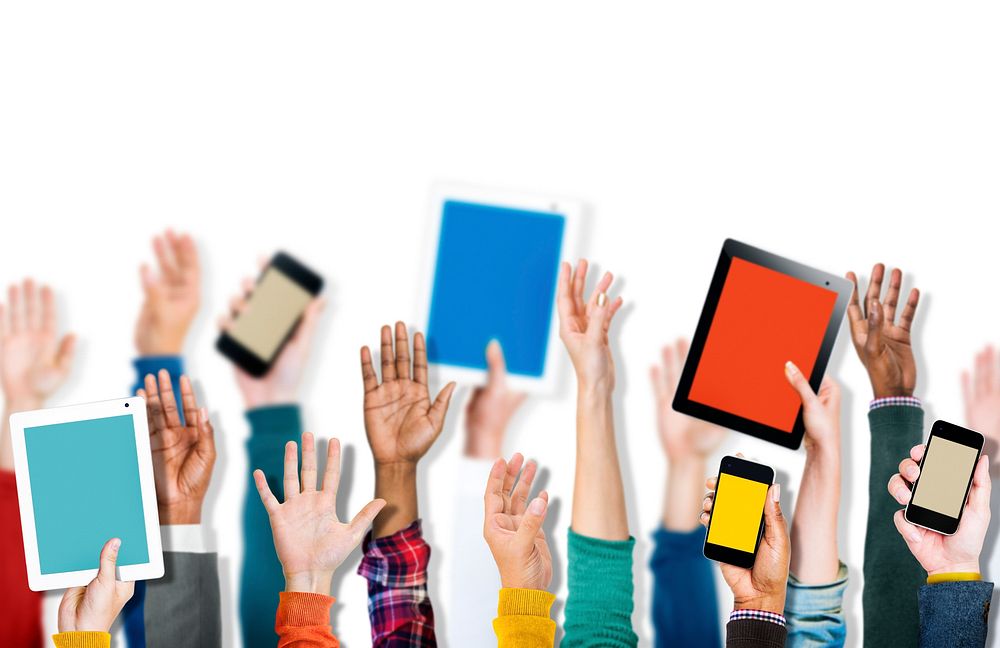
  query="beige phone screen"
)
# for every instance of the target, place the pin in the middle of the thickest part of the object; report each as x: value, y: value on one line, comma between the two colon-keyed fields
x: 276, y: 304
x: 944, y: 477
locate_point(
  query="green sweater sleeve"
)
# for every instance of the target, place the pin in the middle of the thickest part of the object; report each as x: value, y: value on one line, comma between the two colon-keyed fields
x: 261, y: 579
x: 599, y: 605
x: 892, y: 575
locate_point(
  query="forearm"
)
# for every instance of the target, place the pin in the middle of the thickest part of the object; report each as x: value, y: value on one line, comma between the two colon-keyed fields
x: 684, y: 490
x: 814, y: 526
x: 598, y: 492
x: 396, y: 483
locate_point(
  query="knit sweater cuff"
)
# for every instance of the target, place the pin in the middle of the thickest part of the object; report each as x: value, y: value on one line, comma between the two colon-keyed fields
x: 755, y: 633
x: 524, y: 602
x: 275, y: 423
x: 82, y: 640
x: 303, y: 609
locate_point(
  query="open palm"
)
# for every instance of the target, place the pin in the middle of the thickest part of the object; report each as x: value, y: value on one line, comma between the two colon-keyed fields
x: 172, y: 295
x: 400, y: 420
x: 682, y: 436
x: 583, y: 325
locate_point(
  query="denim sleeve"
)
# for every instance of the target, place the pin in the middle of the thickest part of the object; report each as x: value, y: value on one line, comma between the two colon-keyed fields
x: 261, y: 579
x: 954, y: 614
x: 685, y: 604
x: 815, y: 613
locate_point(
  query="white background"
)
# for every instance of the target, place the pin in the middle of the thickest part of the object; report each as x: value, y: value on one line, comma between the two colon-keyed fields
x: 838, y: 135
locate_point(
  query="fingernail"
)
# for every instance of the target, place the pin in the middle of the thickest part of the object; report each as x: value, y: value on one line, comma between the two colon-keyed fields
x: 790, y: 368
x: 537, y: 506
x: 116, y: 544
x: 776, y: 493
x: 912, y: 472
x: 602, y: 299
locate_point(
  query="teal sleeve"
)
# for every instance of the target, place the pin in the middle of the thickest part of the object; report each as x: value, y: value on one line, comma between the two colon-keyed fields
x: 599, y: 605
x: 261, y: 579
x: 892, y: 575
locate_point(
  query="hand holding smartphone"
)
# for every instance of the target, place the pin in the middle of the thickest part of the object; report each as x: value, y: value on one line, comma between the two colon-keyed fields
x: 736, y: 522
x: 946, y: 470
x: 283, y: 291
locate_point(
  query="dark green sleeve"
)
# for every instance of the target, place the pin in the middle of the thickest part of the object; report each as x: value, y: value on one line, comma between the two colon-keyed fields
x: 261, y: 579
x: 892, y: 575
x: 599, y: 605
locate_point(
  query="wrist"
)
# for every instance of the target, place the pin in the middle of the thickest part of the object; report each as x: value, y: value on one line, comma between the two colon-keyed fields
x: 768, y: 603
x: 887, y: 391
x: 966, y: 567
x: 823, y: 454
x: 310, y: 582
x: 595, y: 389
x: 166, y: 347
x: 23, y: 403
x: 483, y: 444
x: 186, y: 512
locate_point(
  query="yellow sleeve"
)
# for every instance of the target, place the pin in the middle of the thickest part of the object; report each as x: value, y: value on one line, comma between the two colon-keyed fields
x: 82, y: 640
x: 523, y: 619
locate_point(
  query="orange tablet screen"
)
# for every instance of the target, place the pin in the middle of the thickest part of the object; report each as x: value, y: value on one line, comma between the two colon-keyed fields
x: 764, y: 318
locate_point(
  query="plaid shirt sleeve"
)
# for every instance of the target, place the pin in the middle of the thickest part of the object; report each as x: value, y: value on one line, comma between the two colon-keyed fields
x: 398, y: 603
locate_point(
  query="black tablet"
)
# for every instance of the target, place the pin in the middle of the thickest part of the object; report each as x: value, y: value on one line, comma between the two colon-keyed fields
x: 762, y: 310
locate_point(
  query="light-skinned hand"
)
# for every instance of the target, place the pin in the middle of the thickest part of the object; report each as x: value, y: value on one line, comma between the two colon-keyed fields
x: 311, y: 542
x: 183, y: 453
x: 763, y: 586
x: 513, y: 525
x: 820, y: 410
x: 95, y: 607
x: 172, y: 296
x: 400, y: 420
x: 490, y: 408
x: 938, y: 553
x: 882, y: 343
x: 981, y: 393
x: 281, y: 383
x: 583, y: 326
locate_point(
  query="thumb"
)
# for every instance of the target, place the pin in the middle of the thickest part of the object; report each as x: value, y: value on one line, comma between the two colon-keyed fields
x: 912, y: 535
x: 440, y: 406
x: 873, y: 343
x: 109, y: 559
x: 495, y: 363
x: 64, y: 355
x: 979, y: 497
x: 531, y: 522
x: 775, y: 529
x: 799, y: 383
x: 365, y: 517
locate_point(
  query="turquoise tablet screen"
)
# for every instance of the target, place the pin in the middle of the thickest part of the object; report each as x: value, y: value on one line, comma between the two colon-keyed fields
x: 85, y: 490
x: 495, y: 278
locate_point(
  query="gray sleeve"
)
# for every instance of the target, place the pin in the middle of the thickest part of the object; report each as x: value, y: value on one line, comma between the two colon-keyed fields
x: 182, y: 609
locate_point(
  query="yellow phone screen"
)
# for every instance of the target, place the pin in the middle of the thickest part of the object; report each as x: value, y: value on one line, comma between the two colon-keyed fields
x: 736, y: 513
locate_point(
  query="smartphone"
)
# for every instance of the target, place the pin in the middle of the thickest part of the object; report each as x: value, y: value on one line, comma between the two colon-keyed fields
x: 737, y: 520
x: 256, y: 337
x: 946, y: 470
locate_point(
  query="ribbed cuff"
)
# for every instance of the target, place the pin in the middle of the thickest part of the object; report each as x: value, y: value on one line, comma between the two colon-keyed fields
x: 303, y: 609
x: 524, y: 602
x: 755, y: 633
x: 82, y: 640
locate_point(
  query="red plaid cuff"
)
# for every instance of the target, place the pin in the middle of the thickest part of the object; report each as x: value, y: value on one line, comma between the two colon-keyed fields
x: 398, y: 560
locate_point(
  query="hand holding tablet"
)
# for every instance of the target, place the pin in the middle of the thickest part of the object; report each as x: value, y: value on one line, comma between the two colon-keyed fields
x: 95, y: 607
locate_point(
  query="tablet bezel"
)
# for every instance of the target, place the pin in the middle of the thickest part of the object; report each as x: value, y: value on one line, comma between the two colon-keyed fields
x: 136, y: 408
x: 572, y: 212
x: 732, y: 248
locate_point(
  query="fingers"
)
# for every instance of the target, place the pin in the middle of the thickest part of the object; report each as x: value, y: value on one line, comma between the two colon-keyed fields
x: 496, y: 365
x: 892, y: 295
x: 579, y: 283
x: 402, y: 352
x: 909, y: 310
x: 48, y: 314
x: 165, y: 260
x: 800, y: 385
x: 531, y: 522
x: 599, y: 311
x: 419, y: 359
x: 206, y: 435
x: 440, y: 406
x: 310, y: 318
x: 912, y: 535
x: 368, y: 375
x: 917, y: 452
x: 189, y: 401
x: 168, y: 400
x: 109, y: 559
x: 331, y: 475
x: 16, y: 312
x: 519, y: 496
x: 154, y: 407
x: 270, y: 502
x: 855, y: 314
x: 979, y: 495
x: 875, y: 286
x: 388, y: 358
x: 185, y: 252
x: 365, y: 517
x: 309, y: 465
x: 510, y: 477
x: 291, y: 480
x: 565, y: 304
x: 494, y: 497
x: 31, y: 316
x: 873, y: 341
x: 989, y: 379
x: 66, y: 352
x: 909, y: 470
x: 899, y: 489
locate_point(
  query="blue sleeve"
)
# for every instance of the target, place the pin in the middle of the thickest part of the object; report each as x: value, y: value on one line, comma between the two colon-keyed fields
x: 133, y: 614
x: 261, y: 578
x: 954, y: 614
x: 815, y: 613
x: 685, y: 604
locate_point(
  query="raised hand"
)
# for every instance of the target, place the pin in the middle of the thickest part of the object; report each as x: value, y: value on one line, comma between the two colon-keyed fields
x: 172, y: 296
x: 183, y: 453
x: 763, y: 586
x: 981, y: 393
x: 882, y: 343
x: 400, y: 420
x: 281, y: 384
x: 583, y: 326
x: 311, y: 542
x: 820, y: 410
x: 513, y: 526
x: 490, y: 408
x: 938, y: 553
x: 95, y: 607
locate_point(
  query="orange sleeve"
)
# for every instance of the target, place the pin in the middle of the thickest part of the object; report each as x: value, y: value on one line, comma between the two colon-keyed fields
x: 303, y: 621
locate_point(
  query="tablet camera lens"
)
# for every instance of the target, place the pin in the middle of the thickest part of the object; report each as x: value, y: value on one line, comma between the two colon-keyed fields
x: 126, y: 404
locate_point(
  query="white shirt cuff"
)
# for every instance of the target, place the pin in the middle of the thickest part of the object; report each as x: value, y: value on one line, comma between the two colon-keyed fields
x: 187, y: 538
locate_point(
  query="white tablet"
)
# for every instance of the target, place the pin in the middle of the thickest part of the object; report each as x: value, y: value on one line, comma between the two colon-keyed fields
x: 84, y: 476
x: 494, y: 268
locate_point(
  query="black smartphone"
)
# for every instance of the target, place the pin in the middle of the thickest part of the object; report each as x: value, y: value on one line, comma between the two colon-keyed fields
x: 737, y: 520
x: 939, y: 494
x: 256, y: 337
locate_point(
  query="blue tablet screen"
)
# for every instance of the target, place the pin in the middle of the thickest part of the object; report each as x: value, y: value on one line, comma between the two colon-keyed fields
x: 495, y: 278
x: 85, y: 490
